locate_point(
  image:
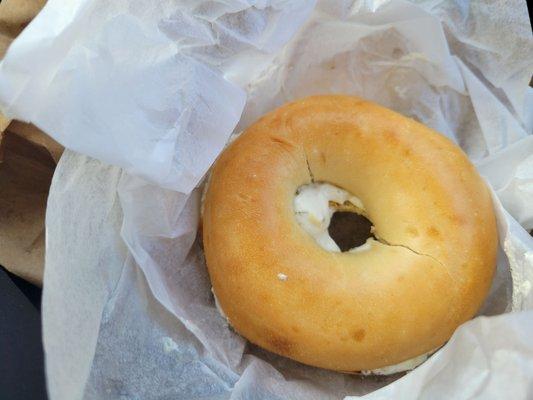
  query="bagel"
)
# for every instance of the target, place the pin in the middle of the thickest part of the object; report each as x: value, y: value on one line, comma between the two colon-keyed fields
x: 426, y: 269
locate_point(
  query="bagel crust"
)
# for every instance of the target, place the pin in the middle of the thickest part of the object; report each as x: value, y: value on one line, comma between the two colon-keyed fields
x: 432, y: 214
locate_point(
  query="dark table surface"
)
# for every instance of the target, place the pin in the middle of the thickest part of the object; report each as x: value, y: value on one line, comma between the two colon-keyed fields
x: 21, y: 350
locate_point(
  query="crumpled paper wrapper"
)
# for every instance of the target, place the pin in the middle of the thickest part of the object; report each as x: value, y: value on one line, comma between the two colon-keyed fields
x: 27, y: 161
x: 149, y: 94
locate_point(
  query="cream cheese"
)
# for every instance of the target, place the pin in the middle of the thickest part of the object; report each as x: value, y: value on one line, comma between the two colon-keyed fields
x: 406, y: 365
x: 366, y: 246
x: 313, y: 209
x: 217, y: 305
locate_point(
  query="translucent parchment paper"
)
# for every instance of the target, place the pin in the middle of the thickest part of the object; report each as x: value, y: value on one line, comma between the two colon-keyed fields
x: 147, y: 95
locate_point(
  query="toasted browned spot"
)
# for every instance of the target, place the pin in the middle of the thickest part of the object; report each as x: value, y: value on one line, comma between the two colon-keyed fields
x: 280, y: 344
x: 323, y: 157
x: 295, y: 329
x: 407, y: 153
x: 400, y: 278
x: 282, y: 141
x: 265, y: 298
x: 457, y: 219
x: 391, y: 138
x: 244, y: 196
x: 411, y: 230
x: 358, y: 335
x: 432, y: 231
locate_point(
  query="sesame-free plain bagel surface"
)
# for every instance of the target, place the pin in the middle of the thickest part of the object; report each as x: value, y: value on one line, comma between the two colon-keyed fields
x: 348, y: 311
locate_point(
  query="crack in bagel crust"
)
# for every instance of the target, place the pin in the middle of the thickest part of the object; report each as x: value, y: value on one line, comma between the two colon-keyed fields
x: 311, y: 176
x: 362, y: 211
x: 310, y: 213
x: 387, y: 243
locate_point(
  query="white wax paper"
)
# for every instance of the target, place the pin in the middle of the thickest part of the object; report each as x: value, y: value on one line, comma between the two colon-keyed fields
x: 155, y: 88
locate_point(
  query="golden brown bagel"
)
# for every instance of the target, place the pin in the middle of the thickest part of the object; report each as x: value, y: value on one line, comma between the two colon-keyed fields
x: 348, y: 311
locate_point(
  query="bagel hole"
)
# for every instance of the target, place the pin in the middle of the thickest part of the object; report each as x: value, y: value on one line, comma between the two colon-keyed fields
x: 333, y: 216
x: 349, y: 230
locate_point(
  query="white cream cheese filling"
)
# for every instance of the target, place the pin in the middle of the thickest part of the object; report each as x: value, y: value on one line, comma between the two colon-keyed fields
x: 217, y: 305
x: 313, y: 209
x: 406, y: 365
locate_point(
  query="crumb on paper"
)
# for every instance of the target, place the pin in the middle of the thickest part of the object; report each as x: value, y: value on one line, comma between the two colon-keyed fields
x: 169, y: 345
